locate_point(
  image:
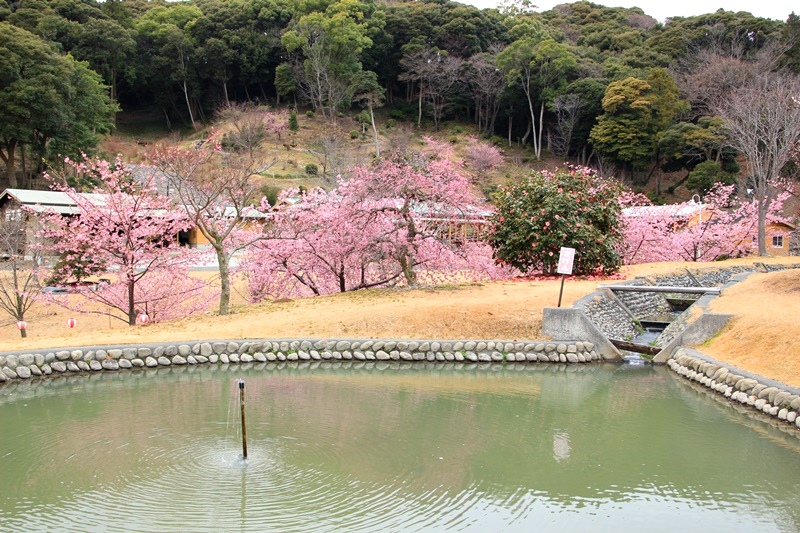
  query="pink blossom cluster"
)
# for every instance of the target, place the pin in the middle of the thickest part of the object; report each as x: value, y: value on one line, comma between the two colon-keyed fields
x: 128, y: 230
x: 723, y: 224
x: 385, y: 226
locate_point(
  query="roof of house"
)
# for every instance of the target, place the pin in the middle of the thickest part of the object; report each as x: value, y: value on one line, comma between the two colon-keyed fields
x: 786, y: 223
x: 40, y: 201
x: 672, y: 211
x: 442, y: 211
x: 60, y: 202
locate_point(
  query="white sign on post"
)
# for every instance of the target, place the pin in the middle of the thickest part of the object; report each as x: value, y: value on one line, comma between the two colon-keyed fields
x: 565, y: 260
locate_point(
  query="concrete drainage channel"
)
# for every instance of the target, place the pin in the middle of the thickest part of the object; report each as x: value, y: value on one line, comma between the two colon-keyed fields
x: 652, y: 319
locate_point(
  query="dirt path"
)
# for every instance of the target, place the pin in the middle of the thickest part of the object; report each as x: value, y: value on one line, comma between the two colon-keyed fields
x: 765, y: 337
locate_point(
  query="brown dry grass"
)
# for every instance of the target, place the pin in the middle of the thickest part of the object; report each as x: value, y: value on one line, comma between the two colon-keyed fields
x: 763, y: 338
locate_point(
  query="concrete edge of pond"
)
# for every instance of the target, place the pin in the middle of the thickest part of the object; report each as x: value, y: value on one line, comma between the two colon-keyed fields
x: 770, y: 397
x: 697, y: 354
x: 570, y: 323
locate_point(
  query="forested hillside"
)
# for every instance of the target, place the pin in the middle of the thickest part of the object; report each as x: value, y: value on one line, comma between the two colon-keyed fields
x: 607, y: 87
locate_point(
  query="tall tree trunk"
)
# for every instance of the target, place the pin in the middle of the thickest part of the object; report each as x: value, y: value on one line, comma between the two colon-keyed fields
x: 224, y: 281
x: 342, y: 279
x: 532, y: 125
x: 406, y: 258
x: 538, y: 140
x: 131, y: 301
x: 188, y: 104
x: 113, y: 88
x: 419, y: 113
x: 763, y: 207
x: 493, y: 120
x: 26, y: 180
x: 528, y: 132
x: 201, y: 116
x: 8, y: 158
x: 375, y: 132
x: 436, y: 112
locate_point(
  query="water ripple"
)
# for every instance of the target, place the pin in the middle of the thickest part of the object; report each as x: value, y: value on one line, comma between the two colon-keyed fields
x: 377, y: 451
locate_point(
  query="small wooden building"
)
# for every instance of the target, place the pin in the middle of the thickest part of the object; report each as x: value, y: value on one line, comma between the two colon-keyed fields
x: 22, y: 205
x: 782, y: 239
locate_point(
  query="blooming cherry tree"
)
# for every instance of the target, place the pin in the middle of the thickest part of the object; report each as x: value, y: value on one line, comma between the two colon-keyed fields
x: 323, y: 244
x: 721, y: 225
x: 391, y: 223
x: 436, y: 149
x: 417, y: 195
x: 482, y: 156
x: 217, y: 191
x: 129, y: 231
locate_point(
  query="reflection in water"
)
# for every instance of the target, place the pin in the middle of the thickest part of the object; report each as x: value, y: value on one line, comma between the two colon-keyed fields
x: 369, y: 447
x: 561, y: 448
x: 243, y: 506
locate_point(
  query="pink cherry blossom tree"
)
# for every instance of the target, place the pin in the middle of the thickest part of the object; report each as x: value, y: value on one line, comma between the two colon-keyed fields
x: 395, y: 222
x: 482, y: 156
x: 127, y: 230
x: 323, y: 244
x: 647, y: 229
x: 419, y: 196
x: 217, y: 191
x: 277, y: 122
x: 169, y: 293
x: 720, y: 225
x: 436, y: 149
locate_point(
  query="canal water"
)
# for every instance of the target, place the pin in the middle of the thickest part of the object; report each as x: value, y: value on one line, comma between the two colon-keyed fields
x: 390, y: 448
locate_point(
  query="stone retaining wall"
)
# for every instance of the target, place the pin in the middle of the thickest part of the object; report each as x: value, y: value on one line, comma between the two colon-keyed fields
x: 22, y: 366
x: 644, y: 304
x: 771, y: 398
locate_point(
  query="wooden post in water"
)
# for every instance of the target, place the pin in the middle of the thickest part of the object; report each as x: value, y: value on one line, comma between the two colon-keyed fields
x: 244, y: 421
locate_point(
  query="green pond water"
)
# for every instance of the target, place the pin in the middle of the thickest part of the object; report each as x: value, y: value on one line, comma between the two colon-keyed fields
x: 360, y: 447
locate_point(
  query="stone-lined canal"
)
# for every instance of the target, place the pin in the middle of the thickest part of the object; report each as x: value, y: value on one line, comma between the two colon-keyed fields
x: 390, y: 446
